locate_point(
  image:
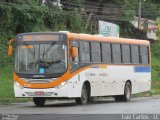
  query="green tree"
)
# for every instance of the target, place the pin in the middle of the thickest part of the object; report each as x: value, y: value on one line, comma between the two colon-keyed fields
x: 19, y: 16
x: 158, y: 31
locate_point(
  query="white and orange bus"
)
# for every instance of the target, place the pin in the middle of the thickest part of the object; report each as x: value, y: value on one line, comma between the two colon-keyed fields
x: 81, y: 66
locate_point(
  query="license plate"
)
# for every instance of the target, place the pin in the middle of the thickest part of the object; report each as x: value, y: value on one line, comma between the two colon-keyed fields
x: 39, y: 93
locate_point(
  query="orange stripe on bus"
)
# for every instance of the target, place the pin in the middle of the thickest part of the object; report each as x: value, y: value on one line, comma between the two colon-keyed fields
x: 63, y: 78
x: 52, y: 84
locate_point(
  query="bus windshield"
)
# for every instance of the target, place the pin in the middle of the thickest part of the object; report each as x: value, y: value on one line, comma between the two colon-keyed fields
x: 41, y: 58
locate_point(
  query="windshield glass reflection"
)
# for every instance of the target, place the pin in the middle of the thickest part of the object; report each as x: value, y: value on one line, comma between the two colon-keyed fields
x: 41, y: 58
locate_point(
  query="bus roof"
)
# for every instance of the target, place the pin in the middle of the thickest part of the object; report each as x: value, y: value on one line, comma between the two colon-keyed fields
x: 75, y: 36
x: 39, y: 33
x: 83, y: 36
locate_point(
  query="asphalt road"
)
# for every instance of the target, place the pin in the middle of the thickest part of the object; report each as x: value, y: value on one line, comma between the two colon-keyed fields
x: 69, y: 110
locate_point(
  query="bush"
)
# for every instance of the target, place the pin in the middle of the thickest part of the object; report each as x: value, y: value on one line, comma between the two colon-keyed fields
x: 27, y: 16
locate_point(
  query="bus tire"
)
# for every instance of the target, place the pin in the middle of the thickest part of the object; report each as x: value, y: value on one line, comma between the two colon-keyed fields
x: 83, y: 100
x: 39, y: 101
x: 127, y: 94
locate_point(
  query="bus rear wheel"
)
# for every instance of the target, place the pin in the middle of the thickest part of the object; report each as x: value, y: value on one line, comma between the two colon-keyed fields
x: 39, y: 101
x: 84, y: 96
x: 127, y: 94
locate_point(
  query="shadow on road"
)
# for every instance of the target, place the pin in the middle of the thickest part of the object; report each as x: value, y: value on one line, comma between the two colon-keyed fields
x: 72, y: 103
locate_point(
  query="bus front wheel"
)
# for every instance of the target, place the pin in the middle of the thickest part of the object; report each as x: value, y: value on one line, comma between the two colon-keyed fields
x: 84, y: 96
x: 127, y: 94
x: 39, y: 101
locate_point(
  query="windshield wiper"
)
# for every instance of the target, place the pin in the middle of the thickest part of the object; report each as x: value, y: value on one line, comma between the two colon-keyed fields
x: 45, y: 52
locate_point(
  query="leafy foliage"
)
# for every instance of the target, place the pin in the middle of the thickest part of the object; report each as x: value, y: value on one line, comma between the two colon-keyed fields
x: 155, y: 68
x: 158, y: 31
x: 155, y: 1
x: 129, y: 9
x: 150, y: 10
x: 28, y: 16
x: 75, y: 1
x: 18, y: 16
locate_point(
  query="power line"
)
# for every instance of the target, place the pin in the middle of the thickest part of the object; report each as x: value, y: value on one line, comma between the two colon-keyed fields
x: 111, y: 7
x: 111, y: 11
x: 33, y: 7
x: 13, y: 5
x: 74, y: 4
x: 117, y: 13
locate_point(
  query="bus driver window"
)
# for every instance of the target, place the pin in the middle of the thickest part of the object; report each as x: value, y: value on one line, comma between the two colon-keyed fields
x: 74, y: 58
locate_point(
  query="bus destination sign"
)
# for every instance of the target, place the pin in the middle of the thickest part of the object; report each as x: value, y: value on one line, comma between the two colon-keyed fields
x: 40, y: 38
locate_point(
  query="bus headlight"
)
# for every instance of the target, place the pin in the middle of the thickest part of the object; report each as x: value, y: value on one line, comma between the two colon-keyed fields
x: 62, y: 84
x: 18, y: 85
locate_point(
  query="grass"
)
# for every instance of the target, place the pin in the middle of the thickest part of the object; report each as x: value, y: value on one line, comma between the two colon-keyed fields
x: 6, y: 89
x: 6, y: 82
x: 155, y: 49
x: 155, y: 88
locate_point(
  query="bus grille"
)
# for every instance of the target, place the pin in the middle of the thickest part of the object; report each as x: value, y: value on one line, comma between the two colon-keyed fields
x: 39, y: 80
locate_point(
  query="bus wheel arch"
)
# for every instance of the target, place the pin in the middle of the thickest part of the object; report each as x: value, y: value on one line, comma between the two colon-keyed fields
x: 85, y: 94
x: 126, y: 97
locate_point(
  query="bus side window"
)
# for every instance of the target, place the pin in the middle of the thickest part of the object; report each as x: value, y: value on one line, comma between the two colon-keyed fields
x: 95, y: 52
x: 84, y: 51
x: 144, y: 54
x: 116, y: 51
x: 126, y: 54
x: 106, y: 53
x: 135, y: 54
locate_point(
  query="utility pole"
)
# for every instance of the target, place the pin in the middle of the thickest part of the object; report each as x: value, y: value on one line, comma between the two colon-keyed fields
x: 139, y: 12
x: 88, y: 20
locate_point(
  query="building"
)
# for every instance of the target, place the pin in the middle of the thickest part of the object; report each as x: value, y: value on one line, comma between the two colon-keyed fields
x: 148, y: 26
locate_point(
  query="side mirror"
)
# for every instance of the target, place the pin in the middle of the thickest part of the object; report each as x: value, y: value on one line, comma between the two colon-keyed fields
x: 74, y: 51
x: 10, y: 49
